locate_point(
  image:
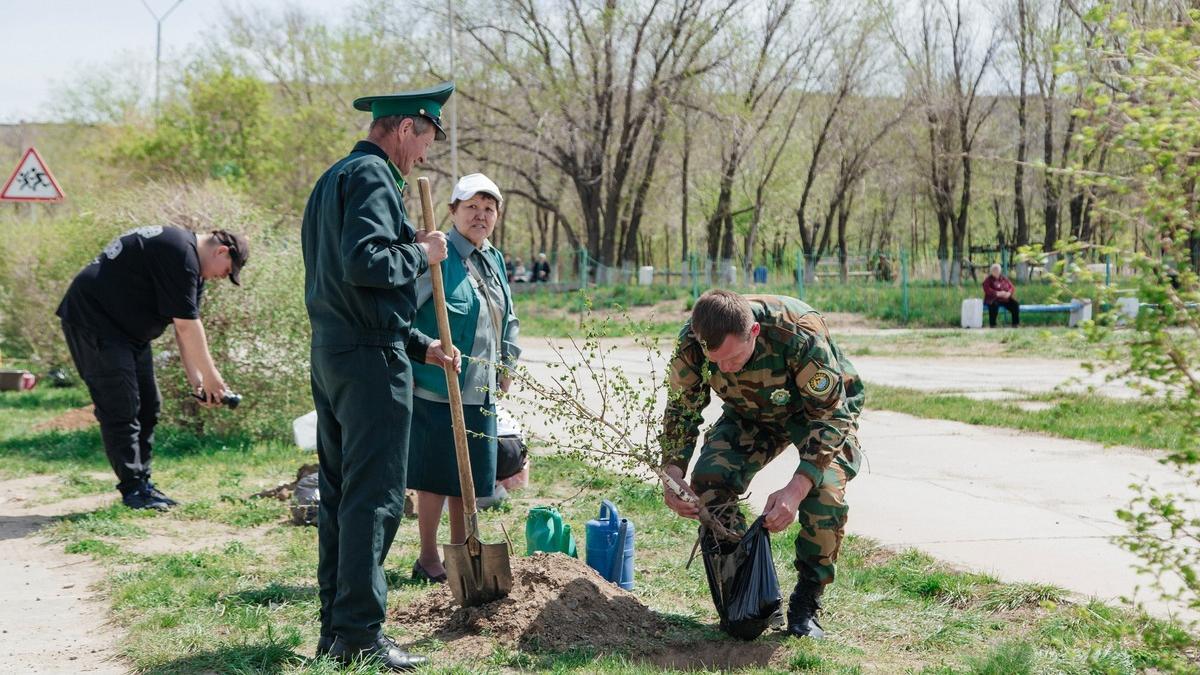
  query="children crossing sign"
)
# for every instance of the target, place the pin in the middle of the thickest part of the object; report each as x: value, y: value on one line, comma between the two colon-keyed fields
x: 31, y: 181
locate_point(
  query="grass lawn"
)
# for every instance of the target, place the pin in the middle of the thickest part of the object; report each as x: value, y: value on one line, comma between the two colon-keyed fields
x: 1025, y: 343
x: 660, y: 309
x: 1099, y: 419
x: 223, y: 584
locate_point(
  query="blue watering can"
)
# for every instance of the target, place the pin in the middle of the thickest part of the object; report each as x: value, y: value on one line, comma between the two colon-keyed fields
x: 610, y: 546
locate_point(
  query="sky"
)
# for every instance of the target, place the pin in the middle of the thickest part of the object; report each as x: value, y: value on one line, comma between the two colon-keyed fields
x: 44, y: 43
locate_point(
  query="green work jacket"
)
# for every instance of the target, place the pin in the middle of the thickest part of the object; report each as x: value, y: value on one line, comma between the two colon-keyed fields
x: 361, y: 258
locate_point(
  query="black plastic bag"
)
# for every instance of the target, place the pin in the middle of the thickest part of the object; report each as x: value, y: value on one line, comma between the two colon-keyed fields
x: 742, y: 580
x: 306, y: 500
x: 511, y: 453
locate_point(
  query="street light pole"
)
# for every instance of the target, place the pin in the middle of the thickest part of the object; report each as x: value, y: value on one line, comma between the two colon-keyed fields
x: 453, y: 103
x: 158, y: 21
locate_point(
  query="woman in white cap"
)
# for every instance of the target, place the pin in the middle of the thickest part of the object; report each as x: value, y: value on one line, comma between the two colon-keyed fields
x: 484, y: 327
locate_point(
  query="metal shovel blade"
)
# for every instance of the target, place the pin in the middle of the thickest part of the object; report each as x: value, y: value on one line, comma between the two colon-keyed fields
x: 477, y: 573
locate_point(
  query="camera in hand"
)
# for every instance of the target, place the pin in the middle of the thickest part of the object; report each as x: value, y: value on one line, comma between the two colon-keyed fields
x: 230, y: 399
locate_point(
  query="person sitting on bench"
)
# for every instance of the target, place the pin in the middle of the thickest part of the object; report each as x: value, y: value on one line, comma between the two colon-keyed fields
x: 998, y: 291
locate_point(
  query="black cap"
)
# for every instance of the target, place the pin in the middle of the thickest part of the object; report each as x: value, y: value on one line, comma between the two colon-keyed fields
x: 239, y: 252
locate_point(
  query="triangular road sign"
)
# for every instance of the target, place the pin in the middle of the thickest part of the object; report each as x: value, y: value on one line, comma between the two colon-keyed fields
x: 31, y: 181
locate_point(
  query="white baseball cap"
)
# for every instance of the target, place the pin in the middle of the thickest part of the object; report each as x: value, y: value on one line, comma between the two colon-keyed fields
x: 471, y: 184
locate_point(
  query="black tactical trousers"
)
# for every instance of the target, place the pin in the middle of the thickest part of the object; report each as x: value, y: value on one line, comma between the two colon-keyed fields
x: 120, y: 378
x: 363, y: 397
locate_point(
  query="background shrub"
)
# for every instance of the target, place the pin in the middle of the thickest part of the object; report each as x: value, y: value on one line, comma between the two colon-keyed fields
x: 258, y: 333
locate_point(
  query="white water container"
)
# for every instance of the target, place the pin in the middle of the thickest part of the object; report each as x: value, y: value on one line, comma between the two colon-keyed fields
x: 304, y: 428
x: 972, y: 313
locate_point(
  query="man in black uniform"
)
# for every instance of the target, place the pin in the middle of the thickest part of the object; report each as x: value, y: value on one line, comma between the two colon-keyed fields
x: 140, y: 283
x: 362, y: 257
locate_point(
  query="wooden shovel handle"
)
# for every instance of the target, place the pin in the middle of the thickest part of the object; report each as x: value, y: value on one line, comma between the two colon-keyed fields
x: 466, y: 483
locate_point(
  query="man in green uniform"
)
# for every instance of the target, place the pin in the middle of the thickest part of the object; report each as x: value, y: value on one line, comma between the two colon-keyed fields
x: 783, y: 382
x: 362, y: 257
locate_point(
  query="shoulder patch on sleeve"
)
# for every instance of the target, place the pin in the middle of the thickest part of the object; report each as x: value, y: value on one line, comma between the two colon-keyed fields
x: 820, y: 384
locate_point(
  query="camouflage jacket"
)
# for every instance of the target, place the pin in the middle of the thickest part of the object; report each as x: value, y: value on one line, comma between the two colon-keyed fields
x: 797, y: 384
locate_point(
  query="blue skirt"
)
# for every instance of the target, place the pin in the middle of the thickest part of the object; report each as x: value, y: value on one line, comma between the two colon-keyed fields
x: 432, y: 464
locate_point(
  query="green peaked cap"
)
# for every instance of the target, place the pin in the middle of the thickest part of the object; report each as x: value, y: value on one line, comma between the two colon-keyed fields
x: 426, y: 102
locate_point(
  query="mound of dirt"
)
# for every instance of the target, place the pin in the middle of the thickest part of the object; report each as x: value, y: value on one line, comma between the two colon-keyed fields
x: 72, y: 420
x: 557, y: 603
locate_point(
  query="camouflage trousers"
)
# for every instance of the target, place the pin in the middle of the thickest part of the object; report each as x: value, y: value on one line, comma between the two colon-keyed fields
x: 735, y: 450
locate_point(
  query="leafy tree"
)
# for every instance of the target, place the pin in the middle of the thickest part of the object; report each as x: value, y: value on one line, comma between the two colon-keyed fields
x: 1144, y: 110
x: 221, y: 129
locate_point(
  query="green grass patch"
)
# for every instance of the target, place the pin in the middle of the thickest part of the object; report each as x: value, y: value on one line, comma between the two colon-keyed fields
x: 248, y: 603
x: 1082, y: 417
x: 113, y: 521
x: 1007, y: 658
x: 92, y: 547
x: 546, y: 313
x: 252, y: 607
x: 22, y: 410
x: 1045, y: 343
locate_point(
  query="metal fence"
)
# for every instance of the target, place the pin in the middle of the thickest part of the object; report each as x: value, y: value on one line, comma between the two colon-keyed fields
x: 577, y: 269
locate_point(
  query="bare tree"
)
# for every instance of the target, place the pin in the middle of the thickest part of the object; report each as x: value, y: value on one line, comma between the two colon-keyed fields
x: 585, y: 86
x: 946, y: 80
x: 848, y: 76
x: 685, y: 179
x: 745, y: 95
x: 1046, y: 63
x: 1021, y: 36
x: 857, y: 143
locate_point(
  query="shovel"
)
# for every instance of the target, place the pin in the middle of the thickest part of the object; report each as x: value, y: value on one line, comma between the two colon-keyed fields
x: 477, y: 573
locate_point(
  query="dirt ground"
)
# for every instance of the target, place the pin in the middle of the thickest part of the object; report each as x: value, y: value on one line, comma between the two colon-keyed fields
x: 557, y: 603
x: 72, y: 420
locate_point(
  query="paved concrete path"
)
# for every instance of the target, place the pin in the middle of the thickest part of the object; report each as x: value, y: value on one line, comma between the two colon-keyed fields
x: 54, y: 619
x: 1023, y: 507
x: 1020, y: 506
x: 986, y: 378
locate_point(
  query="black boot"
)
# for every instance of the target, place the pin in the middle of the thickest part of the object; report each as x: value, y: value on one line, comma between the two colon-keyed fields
x: 157, y: 494
x: 141, y: 498
x: 802, y: 610
x: 382, y: 651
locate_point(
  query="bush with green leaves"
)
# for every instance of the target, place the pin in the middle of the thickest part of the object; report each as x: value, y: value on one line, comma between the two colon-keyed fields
x: 258, y: 333
x: 38, y: 259
x: 259, y: 338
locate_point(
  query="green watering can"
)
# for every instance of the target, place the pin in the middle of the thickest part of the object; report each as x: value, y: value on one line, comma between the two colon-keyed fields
x: 545, y: 531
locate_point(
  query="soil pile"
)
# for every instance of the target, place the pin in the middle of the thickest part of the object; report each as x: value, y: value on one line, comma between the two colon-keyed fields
x: 557, y: 603
x: 72, y: 420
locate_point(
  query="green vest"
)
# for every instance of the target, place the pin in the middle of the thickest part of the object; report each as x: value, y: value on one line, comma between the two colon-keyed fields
x: 462, y: 308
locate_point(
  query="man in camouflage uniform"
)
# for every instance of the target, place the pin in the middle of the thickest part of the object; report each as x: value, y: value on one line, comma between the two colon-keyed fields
x: 783, y: 382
